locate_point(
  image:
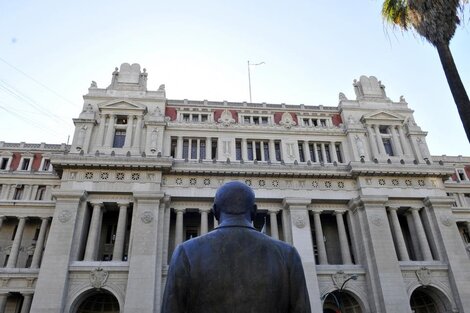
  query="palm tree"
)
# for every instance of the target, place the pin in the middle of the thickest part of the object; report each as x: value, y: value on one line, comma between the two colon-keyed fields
x: 436, y: 21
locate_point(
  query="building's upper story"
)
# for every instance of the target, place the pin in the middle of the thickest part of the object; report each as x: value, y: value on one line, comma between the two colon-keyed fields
x: 127, y: 119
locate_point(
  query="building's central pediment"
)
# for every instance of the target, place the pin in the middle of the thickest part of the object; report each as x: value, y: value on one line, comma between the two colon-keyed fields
x: 121, y: 104
x: 383, y: 116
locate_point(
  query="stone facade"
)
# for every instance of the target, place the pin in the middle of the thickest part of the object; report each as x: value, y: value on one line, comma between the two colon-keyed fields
x: 381, y: 225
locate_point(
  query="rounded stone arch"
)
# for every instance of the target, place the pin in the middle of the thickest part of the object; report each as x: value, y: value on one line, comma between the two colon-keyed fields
x: 443, y: 301
x: 89, y: 292
x: 358, y: 296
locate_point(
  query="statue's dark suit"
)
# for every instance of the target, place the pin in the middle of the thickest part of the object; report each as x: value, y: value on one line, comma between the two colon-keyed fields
x: 235, y: 269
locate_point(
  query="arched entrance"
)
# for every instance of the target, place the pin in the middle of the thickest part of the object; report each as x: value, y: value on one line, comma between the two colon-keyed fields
x: 341, y: 302
x: 429, y: 300
x: 98, y: 302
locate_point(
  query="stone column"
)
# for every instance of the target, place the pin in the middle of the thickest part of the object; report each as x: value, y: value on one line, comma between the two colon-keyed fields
x: 396, y: 142
x: 306, y: 151
x: 404, y: 141
x: 387, y: 290
x: 398, y: 235
x: 179, y: 226
x: 15, y: 248
x: 253, y: 145
x: 298, y: 221
x: 319, y: 239
x: 110, y: 131
x: 118, y: 249
x: 372, y: 142
x: 129, y: 130
x: 343, y: 238
x: 27, y: 299
x: 323, y: 153
x: 208, y: 148
x: 40, y: 243
x: 334, y: 157
x: 93, y: 241
x: 272, y: 151
x: 100, y: 135
x: 3, y: 301
x: 261, y: 149
x: 423, y: 241
x: 315, y: 152
x: 179, y: 148
x: 378, y: 137
x: 204, y: 220
x: 2, y: 218
x: 138, y: 132
x: 273, y: 223
x: 244, y: 149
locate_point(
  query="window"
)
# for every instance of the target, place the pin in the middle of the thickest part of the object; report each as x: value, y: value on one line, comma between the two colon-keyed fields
x: 191, y: 232
x: 214, y: 149
x: 204, y: 117
x: 388, y: 146
x: 312, y: 152
x: 194, y: 148
x: 238, y: 149
x: 277, y: 149
x: 383, y: 129
x: 323, y: 123
x: 41, y: 192
x: 194, y: 117
x: 119, y: 138
x: 25, y: 164
x: 250, y: 150
x: 46, y: 164
x: 301, y: 152
x: 173, y: 148
x: 186, y: 117
x: 327, y: 153
x: 339, y: 155
x: 461, y: 174
x: 121, y: 120
x: 4, y: 163
x: 18, y: 192
x: 255, y: 119
x: 319, y: 153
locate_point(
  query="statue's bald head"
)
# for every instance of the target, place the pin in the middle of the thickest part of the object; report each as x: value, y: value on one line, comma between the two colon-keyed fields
x: 235, y: 198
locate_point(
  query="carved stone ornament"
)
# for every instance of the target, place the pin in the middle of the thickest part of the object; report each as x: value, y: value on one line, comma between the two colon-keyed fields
x: 226, y: 118
x: 424, y: 276
x: 65, y: 216
x: 98, y: 277
x: 298, y: 220
x: 447, y: 220
x: 376, y: 220
x: 146, y: 217
x: 287, y: 120
x: 339, y: 278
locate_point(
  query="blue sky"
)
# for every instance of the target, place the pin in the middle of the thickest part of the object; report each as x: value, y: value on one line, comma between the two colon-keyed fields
x: 313, y: 50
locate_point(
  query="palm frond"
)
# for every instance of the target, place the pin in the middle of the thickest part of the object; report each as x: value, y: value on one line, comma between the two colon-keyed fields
x: 395, y: 12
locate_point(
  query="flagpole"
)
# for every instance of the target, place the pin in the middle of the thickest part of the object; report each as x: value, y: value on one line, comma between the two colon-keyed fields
x: 249, y: 75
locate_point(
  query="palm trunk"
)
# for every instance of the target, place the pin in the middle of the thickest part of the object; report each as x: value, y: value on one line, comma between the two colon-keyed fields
x: 456, y: 86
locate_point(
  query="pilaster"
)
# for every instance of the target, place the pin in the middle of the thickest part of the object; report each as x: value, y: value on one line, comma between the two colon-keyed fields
x: 453, y: 249
x: 52, y: 283
x: 302, y: 241
x: 142, y: 279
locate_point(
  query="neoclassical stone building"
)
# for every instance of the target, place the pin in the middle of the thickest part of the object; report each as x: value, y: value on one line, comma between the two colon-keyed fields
x: 381, y: 224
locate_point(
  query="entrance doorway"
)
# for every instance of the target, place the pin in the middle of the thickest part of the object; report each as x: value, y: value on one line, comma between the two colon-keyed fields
x: 99, y: 302
x: 341, y: 302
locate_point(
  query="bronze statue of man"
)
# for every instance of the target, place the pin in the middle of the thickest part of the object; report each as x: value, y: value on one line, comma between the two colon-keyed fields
x: 235, y: 268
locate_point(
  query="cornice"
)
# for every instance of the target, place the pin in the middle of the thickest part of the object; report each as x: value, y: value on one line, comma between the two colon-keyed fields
x: 384, y: 169
x: 89, y: 161
x: 265, y: 170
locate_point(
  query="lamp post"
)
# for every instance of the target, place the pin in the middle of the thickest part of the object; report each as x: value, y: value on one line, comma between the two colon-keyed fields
x: 249, y: 76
